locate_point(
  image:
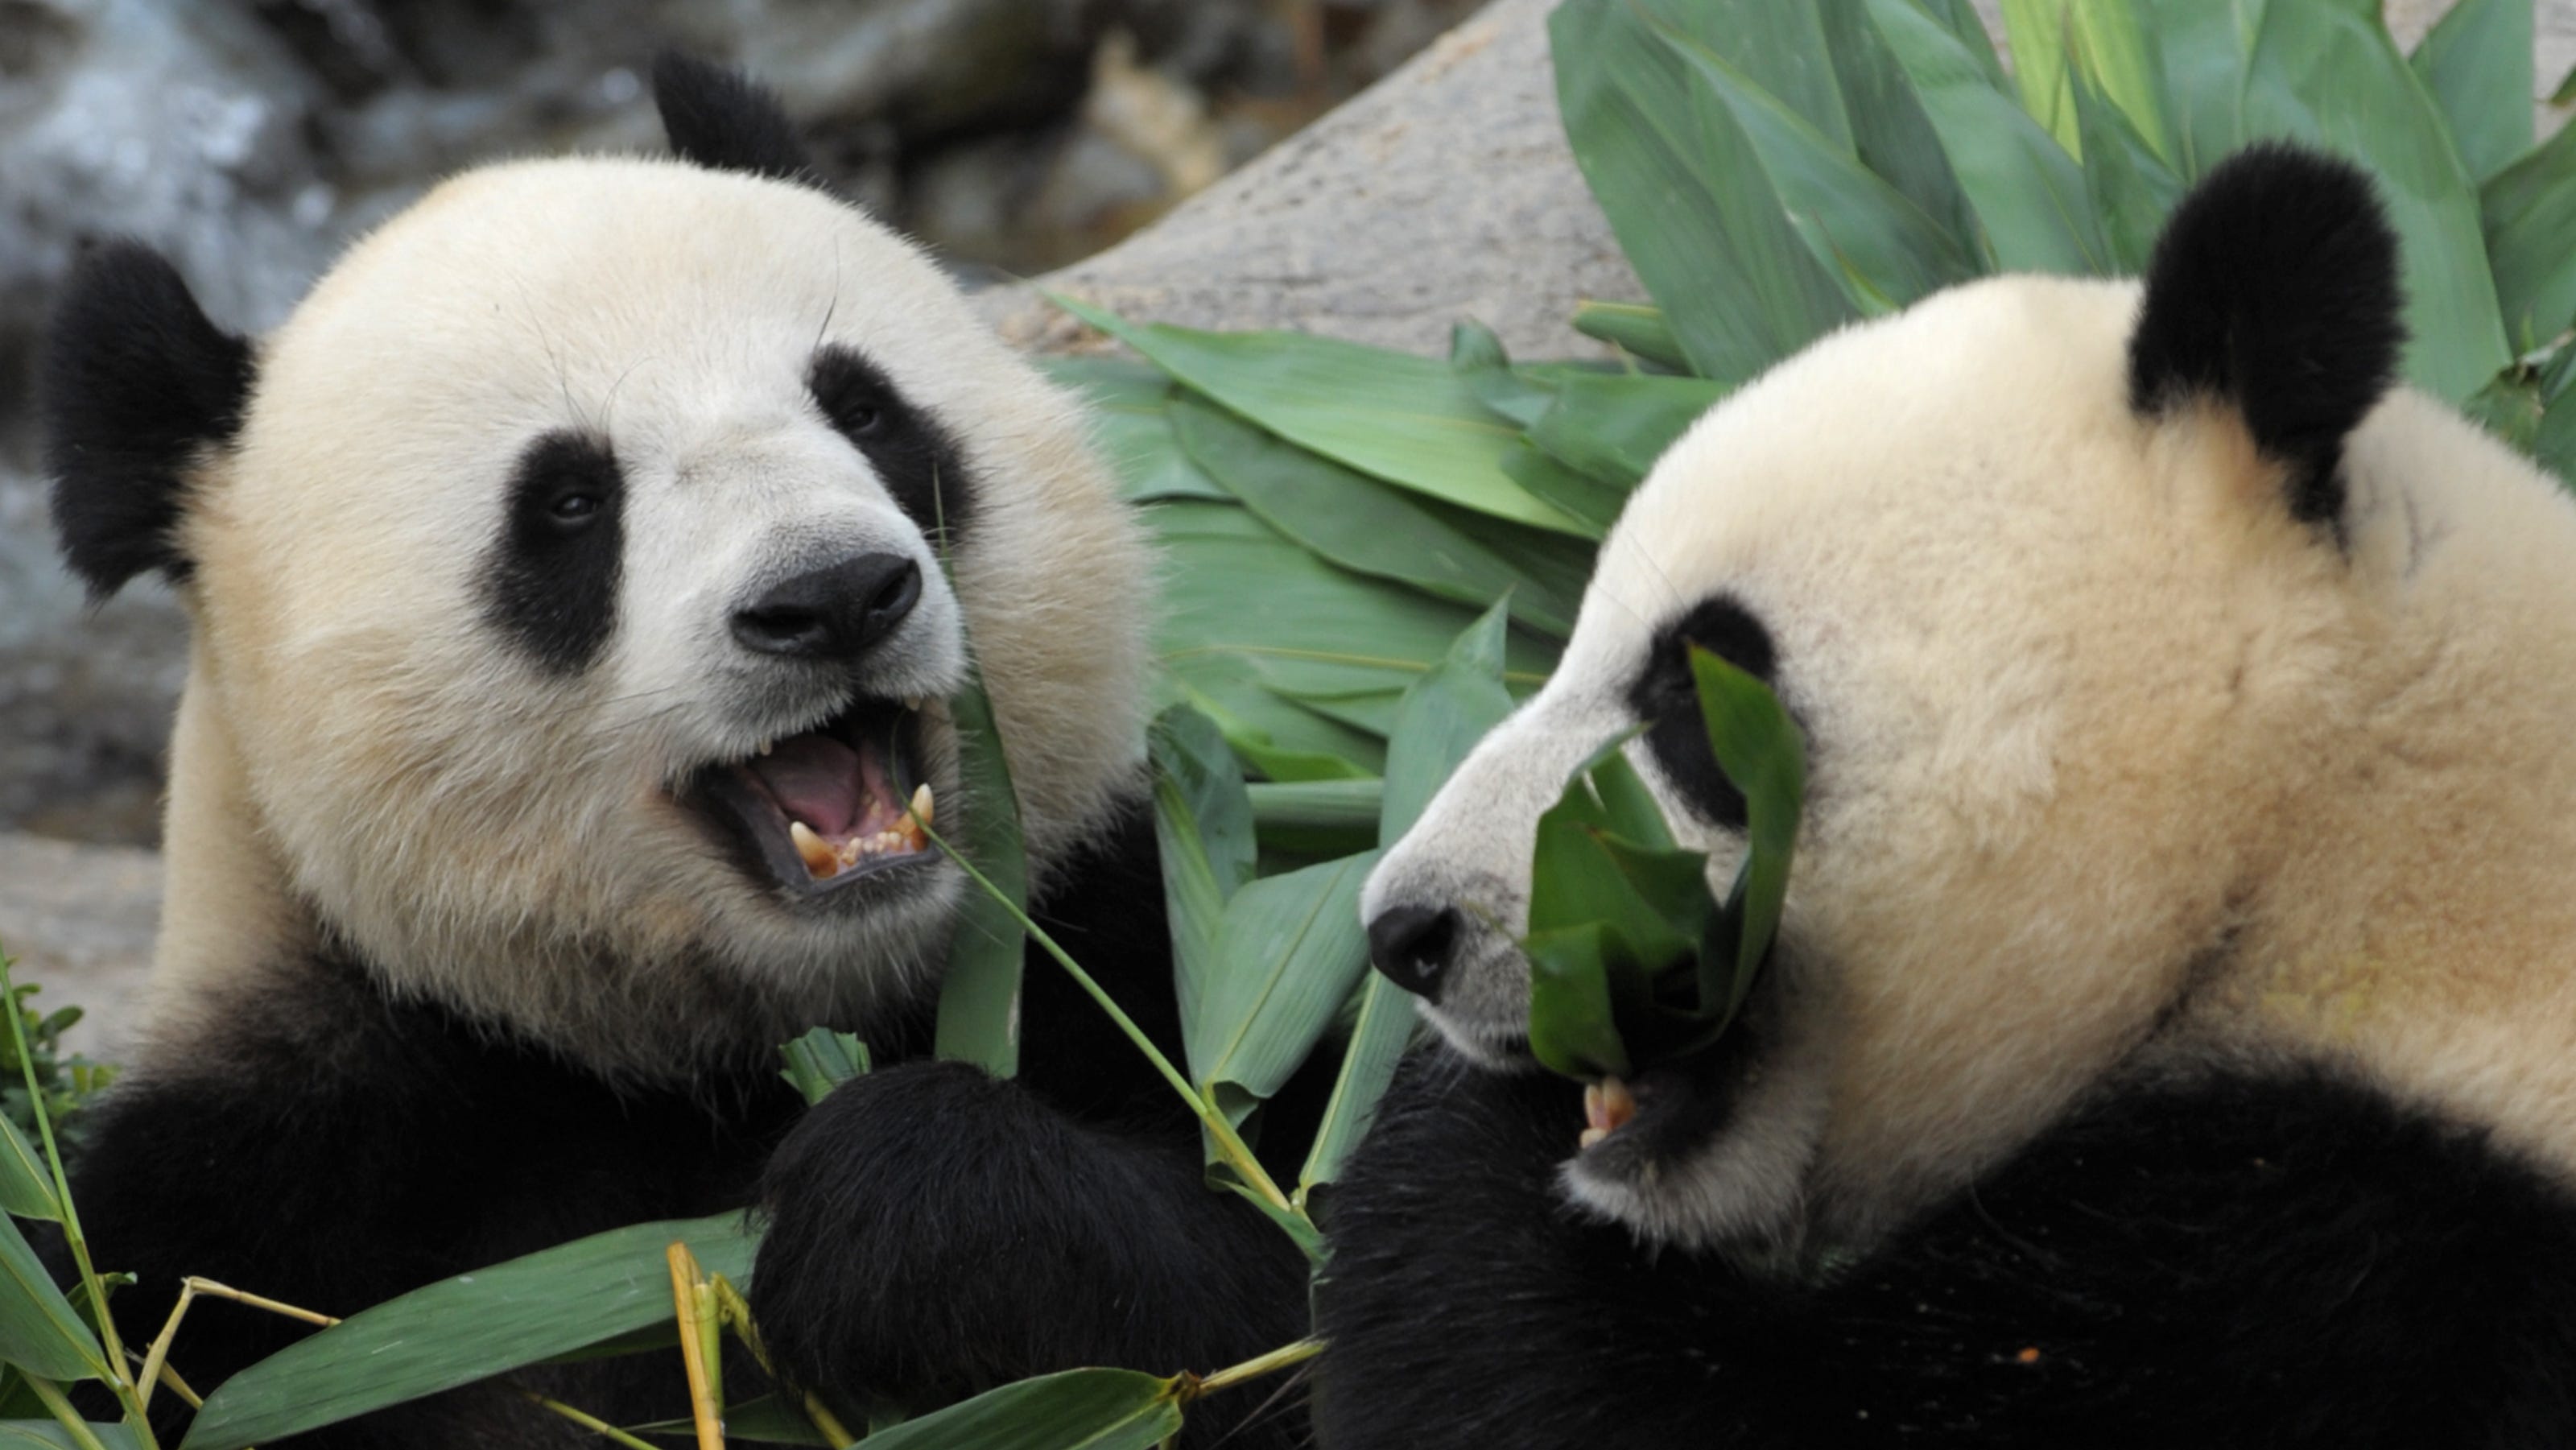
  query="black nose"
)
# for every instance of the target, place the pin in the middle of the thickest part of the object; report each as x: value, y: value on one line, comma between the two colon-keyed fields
x: 1411, y: 945
x: 836, y: 612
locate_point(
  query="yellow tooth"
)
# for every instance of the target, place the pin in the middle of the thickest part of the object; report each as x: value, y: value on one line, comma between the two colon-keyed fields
x: 1591, y: 1136
x: 912, y: 702
x: 921, y: 804
x: 820, y: 859
x: 1618, y: 1105
x: 1596, y: 1117
x: 764, y: 747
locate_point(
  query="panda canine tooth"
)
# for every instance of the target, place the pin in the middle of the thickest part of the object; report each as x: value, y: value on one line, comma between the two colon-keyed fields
x: 819, y: 857
x: 1591, y: 1136
x: 921, y: 804
x: 912, y: 702
x: 1618, y: 1105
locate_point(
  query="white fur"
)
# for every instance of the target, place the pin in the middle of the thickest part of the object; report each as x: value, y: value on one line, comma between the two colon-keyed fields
x: 360, y: 761
x: 2102, y: 741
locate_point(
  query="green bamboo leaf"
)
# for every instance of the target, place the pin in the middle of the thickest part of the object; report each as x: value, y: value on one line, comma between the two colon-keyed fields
x: 1890, y: 132
x: 1408, y: 420
x: 1203, y: 828
x: 2133, y: 190
x: 1269, y: 730
x: 2477, y: 63
x: 30, y: 1434
x: 1683, y: 190
x: 1078, y: 1409
x: 1369, y: 528
x: 2027, y: 192
x: 520, y: 1312
x: 26, y: 1184
x: 2554, y: 441
x: 1765, y: 758
x: 1441, y: 719
x: 39, y: 1331
x: 1636, y: 327
x: 2529, y: 213
x: 1580, y: 496
x: 1573, y: 1003
x: 2564, y: 93
x: 979, y: 993
x: 767, y: 1420
x: 1380, y: 1030
x: 2206, y: 46
x: 2052, y: 39
x: 1131, y: 428
x: 2037, y: 30
x: 1882, y: 248
x: 1614, y: 427
x: 1289, y: 952
x: 1968, y: 29
x: 1329, y: 807
x: 822, y: 1060
x: 2328, y: 75
x: 1477, y: 356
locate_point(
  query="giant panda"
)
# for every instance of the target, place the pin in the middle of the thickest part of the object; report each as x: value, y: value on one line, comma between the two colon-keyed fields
x: 2171, y: 1036
x: 570, y: 635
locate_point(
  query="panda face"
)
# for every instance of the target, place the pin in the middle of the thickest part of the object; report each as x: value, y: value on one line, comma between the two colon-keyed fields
x: 578, y: 580
x: 2035, y: 639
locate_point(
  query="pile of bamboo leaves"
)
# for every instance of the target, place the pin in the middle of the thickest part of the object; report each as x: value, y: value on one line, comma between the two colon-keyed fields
x: 1369, y: 555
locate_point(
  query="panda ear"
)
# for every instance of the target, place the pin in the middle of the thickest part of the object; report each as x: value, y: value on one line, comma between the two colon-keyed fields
x: 720, y: 118
x: 138, y: 388
x: 2274, y: 291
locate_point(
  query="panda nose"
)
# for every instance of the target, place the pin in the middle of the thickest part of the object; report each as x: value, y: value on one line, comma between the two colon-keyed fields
x: 837, y: 612
x: 1411, y: 945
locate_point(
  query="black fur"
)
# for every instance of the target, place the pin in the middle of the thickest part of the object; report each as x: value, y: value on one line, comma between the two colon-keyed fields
x: 1666, y: 693
x: 550, y: 580
x: 933, y: 1232
x: 914, y: 457
x: 343, y: 1147
x: 139, y: 386
x: 718, y: 118
x: 2288, y: 1261
x: 2274, y: 289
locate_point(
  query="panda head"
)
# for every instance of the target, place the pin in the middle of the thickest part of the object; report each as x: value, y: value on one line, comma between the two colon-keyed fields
x: 593, y: 532
x: 2061, y: 579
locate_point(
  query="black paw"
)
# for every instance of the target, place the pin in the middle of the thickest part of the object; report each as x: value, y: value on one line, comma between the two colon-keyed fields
x: 934, y: 1231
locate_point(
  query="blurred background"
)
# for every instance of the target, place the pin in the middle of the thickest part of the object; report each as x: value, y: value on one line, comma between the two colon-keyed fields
x: 250, y: 139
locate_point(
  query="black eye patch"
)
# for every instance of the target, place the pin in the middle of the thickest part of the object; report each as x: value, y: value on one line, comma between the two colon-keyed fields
x: 914, y: 458
x: 1665, y: 694
x: 550, y: 579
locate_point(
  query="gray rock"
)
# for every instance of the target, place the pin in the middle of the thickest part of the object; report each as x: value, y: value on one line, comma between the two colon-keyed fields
x: 79, y: 920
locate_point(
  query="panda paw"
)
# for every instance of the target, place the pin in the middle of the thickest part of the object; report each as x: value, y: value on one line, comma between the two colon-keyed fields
x: 934, y: 1231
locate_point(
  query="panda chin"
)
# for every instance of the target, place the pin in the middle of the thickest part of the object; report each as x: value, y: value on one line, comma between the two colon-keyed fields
x: 838, y: 813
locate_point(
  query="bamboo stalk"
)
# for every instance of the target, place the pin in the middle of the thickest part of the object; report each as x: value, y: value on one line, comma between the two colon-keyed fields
x: 589, y: 1421
x: 684, y: 1293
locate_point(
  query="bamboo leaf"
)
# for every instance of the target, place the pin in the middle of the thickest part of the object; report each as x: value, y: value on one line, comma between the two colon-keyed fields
x: 1331, y: 810
x: 2529, y: 215
x: 1890, y: 132
x: 2329, y: 75
x: 39, y: 1331
x: 1203, y: 827
x: 47, y: 1434
x: 1440, y: 720
x: 1369, y: 528
x: 1614, y: 427
x: 1637, y: 327
x: 1882, y: 248
x: 1574, y: 1028
x: 1131, y: 428
x: 2207, y: 45
x: 2027, y: 192
x: 979, y: 994
x: 2133, y: 190
x: 1289, y: 952
x: 1380, y: 1030
x: 1476, y: 355
x: 523, y: 1311
x: 1078, y: 1409
x: 2037, y: 30
x: 1407, y: 420
x: 2477, y: 63
x: 822, y: 1060
x: 1684, y: 192
x: 1764, y: 757
x: 26, y: 1185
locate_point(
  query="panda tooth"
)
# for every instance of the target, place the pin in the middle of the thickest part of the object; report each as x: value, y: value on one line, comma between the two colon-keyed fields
x: 1618, y: 1105
x: 764, y: 747
x: 912, y: 702
x: 921, y: 804
x: 819, y: 857
x: 1591, y: 1136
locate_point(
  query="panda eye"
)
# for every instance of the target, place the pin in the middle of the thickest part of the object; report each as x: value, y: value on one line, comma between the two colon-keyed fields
x: 574, y: 508
x: 860, y: 418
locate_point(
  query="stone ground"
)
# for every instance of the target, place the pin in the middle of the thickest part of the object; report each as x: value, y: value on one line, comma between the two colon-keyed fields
x: 1444, y: 191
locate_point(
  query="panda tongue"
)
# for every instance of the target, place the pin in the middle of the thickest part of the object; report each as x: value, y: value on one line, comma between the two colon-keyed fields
x: 819, y: 781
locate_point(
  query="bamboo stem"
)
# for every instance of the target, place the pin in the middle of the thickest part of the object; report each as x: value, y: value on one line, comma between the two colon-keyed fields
x: 589, y: 1421
x: 1259, y: 1365
x: 693, y: 1356
x: 52, y: 1394
x: 242, y: 1296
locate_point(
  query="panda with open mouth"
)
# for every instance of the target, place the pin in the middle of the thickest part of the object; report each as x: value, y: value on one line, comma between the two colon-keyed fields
x: 578, y: 581
x: 2171, y: 1036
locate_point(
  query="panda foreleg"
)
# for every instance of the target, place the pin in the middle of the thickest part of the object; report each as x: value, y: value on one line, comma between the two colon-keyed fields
x: 934, y: 1231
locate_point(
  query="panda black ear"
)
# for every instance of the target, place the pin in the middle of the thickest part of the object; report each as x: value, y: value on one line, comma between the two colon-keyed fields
x: 722, y: 119
x: 138, y: 387
x: 2274, y: 290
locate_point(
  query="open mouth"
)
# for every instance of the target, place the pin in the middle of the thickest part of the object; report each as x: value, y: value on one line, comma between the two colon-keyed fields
x: 818, y: 810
